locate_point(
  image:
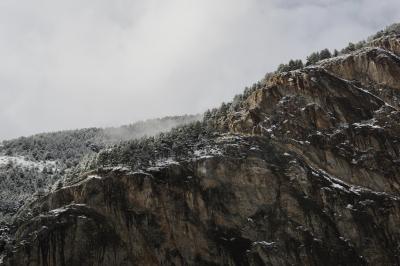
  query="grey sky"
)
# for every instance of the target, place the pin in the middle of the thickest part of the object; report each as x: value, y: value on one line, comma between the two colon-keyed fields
x: 70, y: 64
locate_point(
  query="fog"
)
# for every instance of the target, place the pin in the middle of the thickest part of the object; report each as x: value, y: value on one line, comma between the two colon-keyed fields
x: 73, y: 64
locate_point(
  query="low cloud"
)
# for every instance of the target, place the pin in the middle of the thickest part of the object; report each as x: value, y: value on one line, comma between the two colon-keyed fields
x: 72, y: 64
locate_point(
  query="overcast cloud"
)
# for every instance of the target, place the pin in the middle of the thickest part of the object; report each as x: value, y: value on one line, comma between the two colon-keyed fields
x: 72, y: 64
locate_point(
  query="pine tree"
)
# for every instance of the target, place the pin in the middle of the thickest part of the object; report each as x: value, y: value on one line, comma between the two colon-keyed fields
x: 335, y: 53
x: 324, y: 54
x: 350, y: 47
x: 312, y: 59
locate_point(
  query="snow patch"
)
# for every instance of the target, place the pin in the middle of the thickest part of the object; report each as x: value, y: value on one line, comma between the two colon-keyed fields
x: 94, y: 177
x: 58, y: 211
x: 264, y: 244
x: 166, y: 162
x: 63, y: 209
x: 24, y: 163
x: 368, y: 123
x: 334, y: 185
x: 207, y: 152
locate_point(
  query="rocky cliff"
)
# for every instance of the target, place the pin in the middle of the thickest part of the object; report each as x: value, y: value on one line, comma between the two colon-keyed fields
x: 305, y: 172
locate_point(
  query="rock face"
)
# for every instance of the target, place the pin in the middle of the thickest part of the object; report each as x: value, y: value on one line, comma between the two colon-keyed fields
x: 306, y: 172
x: 332, y: 123
x: 376, y: 69
x: 390, y: 42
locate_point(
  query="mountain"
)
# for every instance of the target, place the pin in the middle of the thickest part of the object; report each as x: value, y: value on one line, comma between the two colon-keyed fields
x: 34, y: 165
x: 303, y: 168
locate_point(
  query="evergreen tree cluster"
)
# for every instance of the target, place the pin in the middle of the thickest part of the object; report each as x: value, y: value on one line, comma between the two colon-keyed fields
x: 292, y: 65
x: 68, y: 152
x: 19, y: 183
x: 351, y: 47
x: 178, y: 144
x: 321, y: 55
x: 213, y: 118
x: 392, y: 29
x: 315, y: 57
x: 311, y: 60
x: 69, y: 147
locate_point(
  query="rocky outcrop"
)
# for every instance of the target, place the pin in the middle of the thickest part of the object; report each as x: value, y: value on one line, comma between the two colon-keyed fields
x: 367, y: 65
x: 390, y: 42
x: 70, y: 235
x: 252, y: 205
x: 305, y: 172
x: 376, y: 69
x: 331, y: 122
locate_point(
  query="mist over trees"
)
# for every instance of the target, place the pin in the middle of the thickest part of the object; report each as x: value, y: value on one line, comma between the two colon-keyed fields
x: 68, y: 147
x: 32, y: 166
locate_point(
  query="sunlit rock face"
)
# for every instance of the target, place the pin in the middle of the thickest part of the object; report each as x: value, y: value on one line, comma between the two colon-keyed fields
x: 375, y: 69
x: 306, y: 172
x: 332, y: 123
x: 390, y: 42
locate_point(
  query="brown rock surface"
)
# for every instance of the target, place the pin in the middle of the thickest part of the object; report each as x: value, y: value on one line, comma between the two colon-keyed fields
x: 389, y: 42
x: 260, y: 207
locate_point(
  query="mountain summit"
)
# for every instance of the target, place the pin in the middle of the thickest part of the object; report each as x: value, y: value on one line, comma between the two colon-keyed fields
x: 301, y: 169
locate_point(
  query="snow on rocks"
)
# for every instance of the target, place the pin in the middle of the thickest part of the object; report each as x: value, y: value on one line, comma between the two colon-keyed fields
x: 63, y: 209
x: 264, y: 244
x: 166, y: 162
x: 58, y: 211
x: 94, y: 177
x: 339, y: 185
x: 207, y: 152
x: 368, y: 123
